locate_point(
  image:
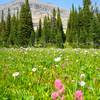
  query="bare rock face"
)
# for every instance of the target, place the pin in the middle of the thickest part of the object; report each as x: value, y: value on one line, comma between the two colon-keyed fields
x: 38, y: 9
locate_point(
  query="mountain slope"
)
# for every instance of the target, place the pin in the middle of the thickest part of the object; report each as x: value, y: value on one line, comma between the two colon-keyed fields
x: 39, y: 10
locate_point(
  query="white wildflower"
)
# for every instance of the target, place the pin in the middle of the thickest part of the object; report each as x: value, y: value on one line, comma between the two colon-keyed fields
x: 82, y: 76
x: 77, y: 61
x: 73, y: 81
x: 90, y: 88
x: 34, y: 69
x: 44, y: 68
x: 57, y: 59
x: 15, y: 74
x: 57, y: 65
x: 26, y: 49
x: 85, y: 51
x: 25, y: 52
x: 82, y: 83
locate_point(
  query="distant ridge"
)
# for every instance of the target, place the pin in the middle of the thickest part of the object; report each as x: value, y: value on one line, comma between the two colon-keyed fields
x: 39, y: 10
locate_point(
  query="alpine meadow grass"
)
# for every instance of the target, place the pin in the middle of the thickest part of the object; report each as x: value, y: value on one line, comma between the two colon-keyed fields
x: 30, y: 73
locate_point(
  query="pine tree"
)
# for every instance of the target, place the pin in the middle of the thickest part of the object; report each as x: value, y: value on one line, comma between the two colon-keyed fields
x: 28, y: 17
x: 32, y: 39
x: 45, y: 32
x: 25, y: 25
x: 39, y: 32
x: 53, y: 32
x: 88, y: 16
x: 13, y: 31
x: 60, y: 33
x: 79, y: 26
x: 8, y: 28
x: 95, y: 30
x: 72, y: 28
x: 2, y: 29
x: 81, y: 37
x: 17, y: 27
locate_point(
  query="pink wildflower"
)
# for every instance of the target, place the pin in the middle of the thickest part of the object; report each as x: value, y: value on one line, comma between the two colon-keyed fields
x: 58, y: 84
x: 79, y: 95
x: 61, y: 91
x: 62, y: 98
x: 54, y: 95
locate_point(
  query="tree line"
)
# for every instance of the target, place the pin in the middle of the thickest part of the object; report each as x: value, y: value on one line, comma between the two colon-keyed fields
x: 83, y: 28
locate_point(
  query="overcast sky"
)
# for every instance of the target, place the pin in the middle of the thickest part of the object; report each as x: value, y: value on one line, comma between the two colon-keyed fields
x: 61, y: 3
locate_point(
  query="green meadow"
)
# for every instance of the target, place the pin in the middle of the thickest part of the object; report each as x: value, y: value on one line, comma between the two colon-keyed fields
x: 29, y: 73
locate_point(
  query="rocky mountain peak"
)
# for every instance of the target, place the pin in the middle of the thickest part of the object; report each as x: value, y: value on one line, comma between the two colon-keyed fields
x: 38, y: 9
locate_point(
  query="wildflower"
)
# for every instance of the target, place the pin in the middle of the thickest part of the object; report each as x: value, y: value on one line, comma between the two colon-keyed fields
x: 78, y: 95
x: 73, y: 81
x: 61, y: 91
x: 82, y: 83
x: 57, y: 59
x: 98, y: 68
x: 25, y: 52
x: 44, y: 68
x: 34, y: 69
x: 15, y: 74
x: 62, y: 98
x: 82, y: 76
x: 58, y: 84
x: 77, y: 61
x: 54, y: 95
x: 85, y: 51
x: 90, y: 88
x: 56, y: 65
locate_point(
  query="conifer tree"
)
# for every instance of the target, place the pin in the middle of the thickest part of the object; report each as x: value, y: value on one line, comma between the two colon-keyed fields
x: 81, y: 38
x: 53, y: 32
x: 8, y: 28
x: 25, y: 25
x: 88, y: 16
x: 40, y: 28
x: 60, y: 33
x: 72, y: 28
x: 79, y: 26
x: 45, y: 31
x: 60, y: 25
x: 39, y: 32
x: 95, y: 30
x: 32, y: 38
x: 2, y: 29
x: 13, y: 31
x: 17, y: 27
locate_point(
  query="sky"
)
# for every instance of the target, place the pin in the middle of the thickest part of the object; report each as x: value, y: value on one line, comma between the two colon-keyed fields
x: 61, y: 3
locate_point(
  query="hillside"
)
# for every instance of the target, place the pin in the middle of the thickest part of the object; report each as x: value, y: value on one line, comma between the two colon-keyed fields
x: 39, y: 10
